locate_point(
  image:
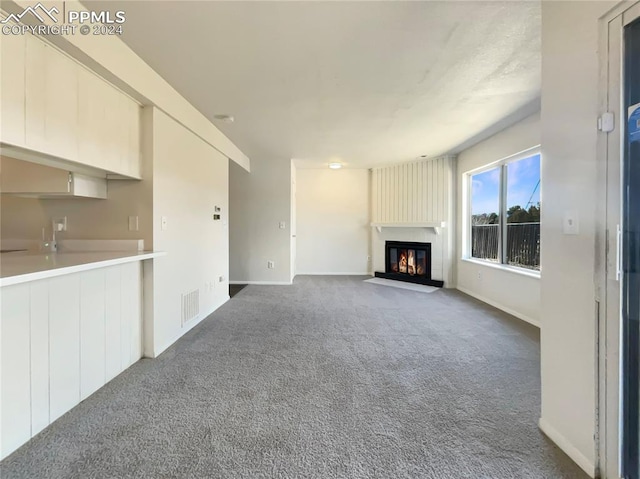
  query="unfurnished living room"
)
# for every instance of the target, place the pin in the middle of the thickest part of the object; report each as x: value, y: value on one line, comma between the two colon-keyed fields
x: 324, y: 239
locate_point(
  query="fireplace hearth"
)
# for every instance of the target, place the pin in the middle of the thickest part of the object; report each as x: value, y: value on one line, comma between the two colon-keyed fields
x: 409, y: 262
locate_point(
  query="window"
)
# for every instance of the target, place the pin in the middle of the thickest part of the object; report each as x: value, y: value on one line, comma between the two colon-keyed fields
x: 505, y: 212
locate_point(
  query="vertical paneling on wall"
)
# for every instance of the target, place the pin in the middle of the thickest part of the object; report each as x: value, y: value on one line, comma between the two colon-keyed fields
x: 416, y: 192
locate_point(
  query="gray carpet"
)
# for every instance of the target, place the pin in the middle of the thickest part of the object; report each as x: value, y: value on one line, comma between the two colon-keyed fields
x: 328, y: 378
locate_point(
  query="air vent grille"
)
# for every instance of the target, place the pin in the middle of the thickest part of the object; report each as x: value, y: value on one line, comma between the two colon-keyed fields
x: 190, y: 305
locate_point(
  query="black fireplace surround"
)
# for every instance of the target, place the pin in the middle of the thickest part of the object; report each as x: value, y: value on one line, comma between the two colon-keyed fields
x: 408, y: 261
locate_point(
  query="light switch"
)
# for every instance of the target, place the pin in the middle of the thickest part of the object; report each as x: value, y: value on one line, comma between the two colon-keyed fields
x: 163, y: 223
x: 282, y: 225
x: 571, y: 225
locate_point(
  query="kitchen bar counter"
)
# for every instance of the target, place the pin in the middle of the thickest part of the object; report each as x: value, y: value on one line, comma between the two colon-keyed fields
x: 21, y: 267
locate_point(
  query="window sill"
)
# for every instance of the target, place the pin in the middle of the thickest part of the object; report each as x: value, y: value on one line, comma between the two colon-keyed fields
x: 504, y: 267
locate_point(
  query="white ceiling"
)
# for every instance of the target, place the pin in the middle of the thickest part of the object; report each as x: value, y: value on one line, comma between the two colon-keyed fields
x: 366, y: 83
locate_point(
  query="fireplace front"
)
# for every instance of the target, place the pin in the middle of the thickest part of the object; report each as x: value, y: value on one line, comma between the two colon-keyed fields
x: 408, y: 261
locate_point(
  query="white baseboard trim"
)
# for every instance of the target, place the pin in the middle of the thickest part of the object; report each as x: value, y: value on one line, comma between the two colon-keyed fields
x: 568, y: 448
x: 189, y: 326
x: 335, y: 274
x: 267, y: 283
x: 501, y: 307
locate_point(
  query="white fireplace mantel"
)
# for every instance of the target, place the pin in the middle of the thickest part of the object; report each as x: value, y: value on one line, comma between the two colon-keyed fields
x: 435, y: 226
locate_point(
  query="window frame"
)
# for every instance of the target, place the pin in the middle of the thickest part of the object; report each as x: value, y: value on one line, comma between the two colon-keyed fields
x: 502, y: 213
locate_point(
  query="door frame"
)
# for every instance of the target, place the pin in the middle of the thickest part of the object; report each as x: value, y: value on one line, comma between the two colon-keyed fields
x: 610, y: 149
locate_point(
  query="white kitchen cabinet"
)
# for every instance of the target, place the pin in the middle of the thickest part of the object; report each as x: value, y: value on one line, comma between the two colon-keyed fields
x: 61, y: 113
x: 59, y: 108
x: 15, y: 396
x: 91, y: 114
x: 12, y: 89
x: 109, y: 127
x: 39, y: 313
x: 92, y: 332
x: 64, y: 344
x: 35, y: 93
x: 51, y: 80
x: 113, y: 341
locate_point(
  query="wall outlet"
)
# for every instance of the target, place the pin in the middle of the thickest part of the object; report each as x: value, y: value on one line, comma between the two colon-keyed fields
x: 479, y: 275
x: 220, y: 279
x: 282, y: 225
x: 164, y: 223
x: 271, y: 265
x: 368, y: 259
x: 60, y: 224
x: 133, y: 223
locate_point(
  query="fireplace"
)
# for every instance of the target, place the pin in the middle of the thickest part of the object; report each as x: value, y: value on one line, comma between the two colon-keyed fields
x: 408, y: 261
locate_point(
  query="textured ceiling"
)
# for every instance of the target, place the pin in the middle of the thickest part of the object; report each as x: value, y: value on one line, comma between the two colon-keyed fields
x: 366, y: 83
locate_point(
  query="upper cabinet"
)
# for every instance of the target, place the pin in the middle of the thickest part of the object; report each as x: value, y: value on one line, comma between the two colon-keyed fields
x: 12, y: 89
x: 54, y: 107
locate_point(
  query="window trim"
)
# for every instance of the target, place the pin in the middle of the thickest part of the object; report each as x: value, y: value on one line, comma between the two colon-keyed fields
x: 502, y: 246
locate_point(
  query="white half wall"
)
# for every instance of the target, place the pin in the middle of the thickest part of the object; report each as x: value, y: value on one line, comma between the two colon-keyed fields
x: 515, y: 293
x: 190, y: 178
x: 259, y: 201
x: 333, y: 218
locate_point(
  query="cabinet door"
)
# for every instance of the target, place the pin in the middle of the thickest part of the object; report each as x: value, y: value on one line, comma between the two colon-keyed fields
x: 15, y: 391
x: 91, y: 116
x: 61, y: 112
x: 35, y: 93
x: 64, y: 344
x: 51, y: 112
x: 12, y: 89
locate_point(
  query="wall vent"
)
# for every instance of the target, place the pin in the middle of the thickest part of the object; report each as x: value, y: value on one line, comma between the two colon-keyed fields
x: 190, y: 305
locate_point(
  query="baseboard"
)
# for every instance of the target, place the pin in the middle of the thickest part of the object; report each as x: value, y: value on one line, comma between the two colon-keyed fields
x: 267, y: 283
x: 501, y: 307
x: 562, y: 442
x: 189, y: 326
x: 334, y: 274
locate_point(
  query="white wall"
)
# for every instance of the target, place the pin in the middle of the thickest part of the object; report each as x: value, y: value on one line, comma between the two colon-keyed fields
x: 259, y: 201
x: 333, y: 221
x: 190, y: 178
x: 507, y: 290
x: 570, y: 86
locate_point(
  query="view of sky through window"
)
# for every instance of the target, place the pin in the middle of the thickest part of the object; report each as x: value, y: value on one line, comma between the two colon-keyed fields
x: 523, y: 187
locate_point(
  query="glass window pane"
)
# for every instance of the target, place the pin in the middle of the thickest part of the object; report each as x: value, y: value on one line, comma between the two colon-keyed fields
x: 485, y: 214
x: 523, y: 213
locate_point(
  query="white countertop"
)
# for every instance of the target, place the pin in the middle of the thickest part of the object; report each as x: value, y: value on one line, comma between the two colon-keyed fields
x: 20, y: 267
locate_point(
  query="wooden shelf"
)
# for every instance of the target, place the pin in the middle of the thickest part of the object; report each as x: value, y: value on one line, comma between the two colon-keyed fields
x: 436, y: 226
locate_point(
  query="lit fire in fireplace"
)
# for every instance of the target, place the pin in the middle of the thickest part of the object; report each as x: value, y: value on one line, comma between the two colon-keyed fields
x: 408, y: 261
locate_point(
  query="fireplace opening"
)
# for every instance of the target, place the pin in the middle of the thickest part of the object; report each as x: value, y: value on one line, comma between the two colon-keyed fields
x: 408, y: 261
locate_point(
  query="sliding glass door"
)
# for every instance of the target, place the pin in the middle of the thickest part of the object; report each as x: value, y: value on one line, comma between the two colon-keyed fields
x: 631, y: 253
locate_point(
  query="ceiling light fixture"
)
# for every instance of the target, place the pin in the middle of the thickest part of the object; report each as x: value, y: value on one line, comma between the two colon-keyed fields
x: 224, y: 118
x: 335, y: 166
